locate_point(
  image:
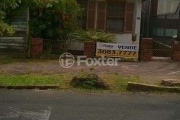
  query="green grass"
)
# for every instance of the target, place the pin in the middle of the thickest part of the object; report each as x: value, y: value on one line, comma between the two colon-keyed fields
x: 122, y: 82
x: 118, y: 83
x: 32, y: 79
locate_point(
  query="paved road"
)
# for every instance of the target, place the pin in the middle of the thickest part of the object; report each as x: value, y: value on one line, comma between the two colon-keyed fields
x: 64, y: 105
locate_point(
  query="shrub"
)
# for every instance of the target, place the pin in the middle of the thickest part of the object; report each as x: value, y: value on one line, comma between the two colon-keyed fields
x: 7, y: 6
x: 89, y: 81
x: 82, y: 36
x: 6, y: 29
x: 53, y: 19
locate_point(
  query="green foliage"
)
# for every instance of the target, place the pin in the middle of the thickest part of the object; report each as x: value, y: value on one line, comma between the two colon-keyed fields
x: 82, y: 36
x: 92, y: 68
x: 8, y: 8
x: 53, y: 19
x: 7, y: 4
x: 30, y: 79
x: 5, y: 7
x: 6, y: 29
x: 88, y: 81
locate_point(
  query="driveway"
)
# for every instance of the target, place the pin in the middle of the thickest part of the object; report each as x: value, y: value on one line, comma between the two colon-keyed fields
x: 67, y: 105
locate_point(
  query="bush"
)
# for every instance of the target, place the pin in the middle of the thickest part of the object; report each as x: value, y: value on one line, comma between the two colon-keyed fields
x: 53, y: 19
x: 88, y: 81
x: 82, y: 36
x: 6, y: 29
x: 7, y: 6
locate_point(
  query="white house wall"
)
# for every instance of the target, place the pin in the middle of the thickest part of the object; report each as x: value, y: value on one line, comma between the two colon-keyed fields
x: 76, y: 46
x: 123, y: 38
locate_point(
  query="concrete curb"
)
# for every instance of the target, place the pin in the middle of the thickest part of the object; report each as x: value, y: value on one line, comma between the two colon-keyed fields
x: 41, y: 87
x: 171, y: 82
x: 147, y: 88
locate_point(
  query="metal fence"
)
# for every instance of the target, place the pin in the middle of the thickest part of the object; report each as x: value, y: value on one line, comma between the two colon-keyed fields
x: 55, y: 46
x: 163, y: 28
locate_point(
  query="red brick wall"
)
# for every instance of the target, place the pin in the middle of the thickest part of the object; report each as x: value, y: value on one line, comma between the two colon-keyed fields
x: 176, y: 51
x: 36, y: 47
x: 89, y: 49
x: 146, y: 49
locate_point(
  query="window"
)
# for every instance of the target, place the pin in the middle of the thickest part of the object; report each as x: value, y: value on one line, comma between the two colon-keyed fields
x: 91, y: 14
x: 111, y: 16
x: 115, y: 16
x: 82, y: 21
x: 101, y: 16
x: 129, y: 13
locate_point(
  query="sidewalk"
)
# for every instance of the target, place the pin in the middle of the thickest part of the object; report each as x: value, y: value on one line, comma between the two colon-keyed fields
x: 151, y: 72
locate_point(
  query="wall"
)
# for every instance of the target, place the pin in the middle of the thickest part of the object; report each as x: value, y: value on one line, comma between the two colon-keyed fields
x: 176, y: 51
x: 125, y: 38
x: 17, y: 43
x: 146, y: 49
x: 76, y: 46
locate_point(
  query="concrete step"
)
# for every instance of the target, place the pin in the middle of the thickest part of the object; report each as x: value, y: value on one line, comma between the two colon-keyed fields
x: 171, y: 82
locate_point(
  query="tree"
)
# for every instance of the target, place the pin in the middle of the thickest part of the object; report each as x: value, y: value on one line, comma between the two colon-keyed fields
x: 53, y: 19
x: 49, y: 18
x: 5, y: 6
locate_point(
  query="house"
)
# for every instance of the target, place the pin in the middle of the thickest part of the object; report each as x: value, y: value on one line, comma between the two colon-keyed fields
x: 172, y: 6
x: 161, y: 21
x: 17, y: 44
x: 121, y: 17
x: 160, y: 18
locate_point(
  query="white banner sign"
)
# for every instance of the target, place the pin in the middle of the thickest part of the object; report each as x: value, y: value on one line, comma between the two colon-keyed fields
x: 116, y: 50
x: 111, y: 46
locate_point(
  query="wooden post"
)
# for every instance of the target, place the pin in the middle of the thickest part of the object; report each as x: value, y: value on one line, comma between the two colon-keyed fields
x: 27, y: 35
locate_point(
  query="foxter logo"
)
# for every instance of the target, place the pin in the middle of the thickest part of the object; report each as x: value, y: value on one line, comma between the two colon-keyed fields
x: 66, y: 60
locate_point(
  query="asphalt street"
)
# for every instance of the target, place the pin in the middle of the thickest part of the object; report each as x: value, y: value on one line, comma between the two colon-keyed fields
x: 67, y: 105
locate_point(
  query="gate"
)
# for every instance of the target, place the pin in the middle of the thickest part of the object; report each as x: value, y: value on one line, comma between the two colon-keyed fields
x: 163, y: 28
x: 162, y: 48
